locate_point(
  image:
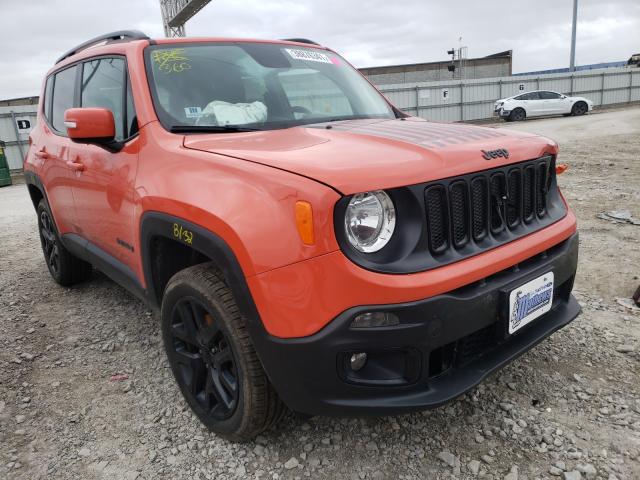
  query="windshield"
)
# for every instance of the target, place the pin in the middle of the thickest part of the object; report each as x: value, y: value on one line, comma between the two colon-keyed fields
x: 219, y: 86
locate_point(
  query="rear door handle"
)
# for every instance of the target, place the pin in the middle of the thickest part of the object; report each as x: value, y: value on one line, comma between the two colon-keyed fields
x: 75, y: 166
x: 43, y: 154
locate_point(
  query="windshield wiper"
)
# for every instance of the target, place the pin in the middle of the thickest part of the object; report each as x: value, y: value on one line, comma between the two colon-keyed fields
x: 210, y: 129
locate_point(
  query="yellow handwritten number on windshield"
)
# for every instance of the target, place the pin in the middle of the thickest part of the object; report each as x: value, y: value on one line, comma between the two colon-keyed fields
x: 172, y: 60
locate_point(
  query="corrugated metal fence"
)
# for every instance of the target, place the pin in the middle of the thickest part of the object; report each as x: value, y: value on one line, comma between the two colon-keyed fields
x: 458, y: 100
x: 16, y: 122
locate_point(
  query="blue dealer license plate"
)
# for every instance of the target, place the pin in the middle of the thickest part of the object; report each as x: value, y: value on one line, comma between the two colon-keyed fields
x: 529, y: 301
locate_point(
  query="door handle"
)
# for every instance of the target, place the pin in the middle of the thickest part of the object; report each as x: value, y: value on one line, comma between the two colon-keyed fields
x: 75, y: 166
x: 43, y: 154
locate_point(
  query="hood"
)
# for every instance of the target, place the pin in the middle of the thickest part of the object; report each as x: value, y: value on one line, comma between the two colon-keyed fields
x: 360, y: 155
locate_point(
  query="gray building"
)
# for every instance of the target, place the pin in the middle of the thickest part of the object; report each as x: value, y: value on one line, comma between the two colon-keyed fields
x: 17, y: 118
x: 496, y: 65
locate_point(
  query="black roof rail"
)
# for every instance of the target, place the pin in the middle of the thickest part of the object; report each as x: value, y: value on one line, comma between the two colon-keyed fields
x: 119, y: 35
x: 300, y: 40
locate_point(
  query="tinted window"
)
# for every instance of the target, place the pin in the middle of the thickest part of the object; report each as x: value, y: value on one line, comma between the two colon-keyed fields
x: 549, y: 95
x: 63, y: 89
x: 103, y: 86
x: 529, y: 96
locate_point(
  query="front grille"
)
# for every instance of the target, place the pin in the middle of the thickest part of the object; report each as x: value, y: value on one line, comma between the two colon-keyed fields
x: 480, y: 207
x: 438, y: 218
x: 447, y: 220
x: 489, y: 203
x: 459, y: 213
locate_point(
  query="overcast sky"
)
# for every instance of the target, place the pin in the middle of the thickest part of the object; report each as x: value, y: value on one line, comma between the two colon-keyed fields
x: 33, y: 33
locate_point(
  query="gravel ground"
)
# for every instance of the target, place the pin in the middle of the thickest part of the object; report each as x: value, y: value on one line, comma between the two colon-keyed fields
x: 568, y: 409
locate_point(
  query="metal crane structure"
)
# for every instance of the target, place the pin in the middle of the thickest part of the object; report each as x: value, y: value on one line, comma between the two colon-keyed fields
x: 175, y: 14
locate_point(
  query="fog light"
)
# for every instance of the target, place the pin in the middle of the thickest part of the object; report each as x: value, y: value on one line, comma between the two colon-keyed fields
x: 375, y: 319
x: 357, y: 361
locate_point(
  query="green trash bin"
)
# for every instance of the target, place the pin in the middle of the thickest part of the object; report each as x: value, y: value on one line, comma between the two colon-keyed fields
x: 5, y: 176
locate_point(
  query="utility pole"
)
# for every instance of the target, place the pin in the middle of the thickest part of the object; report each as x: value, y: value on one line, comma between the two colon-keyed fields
x: 572, y: 62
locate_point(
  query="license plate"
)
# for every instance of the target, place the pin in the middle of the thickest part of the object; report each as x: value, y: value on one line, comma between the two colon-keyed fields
x: 529, y: 301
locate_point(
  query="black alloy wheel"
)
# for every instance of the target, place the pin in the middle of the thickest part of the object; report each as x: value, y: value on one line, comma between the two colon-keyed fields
x: 64, y: 267
x: 212, y: 357
x: 579, y: 108
x: 49, y: 242
x: 205, y: 359
x: 518, y: 115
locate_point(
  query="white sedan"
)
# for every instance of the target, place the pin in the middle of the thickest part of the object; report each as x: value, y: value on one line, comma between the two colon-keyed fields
x: 540, y: 102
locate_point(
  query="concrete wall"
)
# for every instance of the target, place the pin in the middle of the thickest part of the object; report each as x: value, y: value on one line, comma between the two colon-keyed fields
x: 474, y: 99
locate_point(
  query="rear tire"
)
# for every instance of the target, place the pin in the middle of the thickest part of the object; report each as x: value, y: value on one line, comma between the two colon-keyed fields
x: 65, y: 268
x: 579, y: 108
x: 517, y: 115
x: 212, y: 357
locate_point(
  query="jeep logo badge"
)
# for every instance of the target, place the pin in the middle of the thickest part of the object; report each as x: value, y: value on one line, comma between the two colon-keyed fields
x: 501, y: 152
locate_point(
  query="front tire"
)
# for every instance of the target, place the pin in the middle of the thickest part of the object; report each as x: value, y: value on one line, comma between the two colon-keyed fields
x: 517, y: 115
x: 579, y: 108
x: 65, y: 268
x: 212, y: 357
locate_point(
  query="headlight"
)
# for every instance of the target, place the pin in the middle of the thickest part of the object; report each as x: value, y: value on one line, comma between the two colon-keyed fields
x: 369, y: 221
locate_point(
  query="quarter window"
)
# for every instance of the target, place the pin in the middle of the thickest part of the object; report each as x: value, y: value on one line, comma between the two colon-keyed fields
x: 549, y: 95
x: 63, y: 89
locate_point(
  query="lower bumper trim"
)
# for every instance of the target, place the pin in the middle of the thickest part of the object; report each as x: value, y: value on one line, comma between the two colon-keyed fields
x: 451, y: 385
x: 443, y: 346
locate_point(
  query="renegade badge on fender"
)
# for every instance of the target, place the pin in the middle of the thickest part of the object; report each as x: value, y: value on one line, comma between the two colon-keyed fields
x: 306, y: 243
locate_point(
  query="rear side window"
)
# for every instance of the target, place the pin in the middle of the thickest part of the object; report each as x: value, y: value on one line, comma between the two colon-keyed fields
x: 63, y: 90
x: 529, y: 96
x: 549, y: 95
x: 103, y: 86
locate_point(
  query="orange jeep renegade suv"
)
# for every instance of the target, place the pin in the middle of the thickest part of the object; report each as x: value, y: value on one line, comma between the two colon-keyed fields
x: 306, y: 243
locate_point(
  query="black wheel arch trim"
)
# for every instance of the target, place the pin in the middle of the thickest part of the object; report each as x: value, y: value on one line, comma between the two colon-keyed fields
x: 156, y: 224
x: 32, y: 179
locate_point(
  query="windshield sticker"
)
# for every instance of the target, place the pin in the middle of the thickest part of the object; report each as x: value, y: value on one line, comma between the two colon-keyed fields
x: 308, y: 55
x: 193, y: 112
x: 171, y: 60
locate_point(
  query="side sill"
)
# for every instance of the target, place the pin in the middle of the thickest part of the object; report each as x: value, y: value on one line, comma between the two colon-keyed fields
x: 107, y: 264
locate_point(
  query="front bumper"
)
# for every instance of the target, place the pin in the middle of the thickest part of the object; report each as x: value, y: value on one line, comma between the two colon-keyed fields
x: 443, y: 346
